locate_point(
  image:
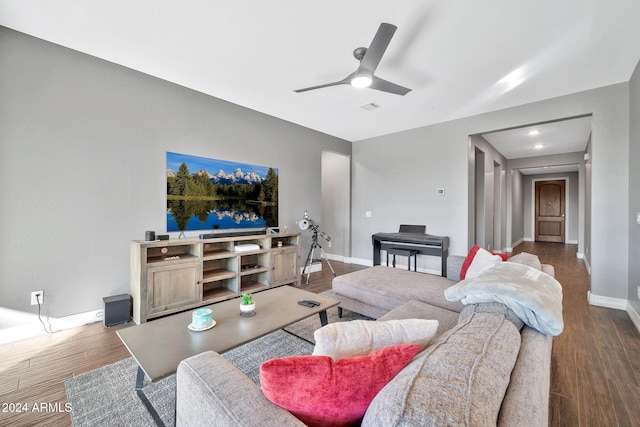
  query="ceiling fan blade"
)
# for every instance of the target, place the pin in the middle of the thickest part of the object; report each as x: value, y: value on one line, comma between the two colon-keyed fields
x: 320, y: 86
x: 345, y: 81
x: 386, y: 86
x: 377, y: 48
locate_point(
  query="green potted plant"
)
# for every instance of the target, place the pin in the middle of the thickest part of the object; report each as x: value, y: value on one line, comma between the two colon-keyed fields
x: 247, y: 305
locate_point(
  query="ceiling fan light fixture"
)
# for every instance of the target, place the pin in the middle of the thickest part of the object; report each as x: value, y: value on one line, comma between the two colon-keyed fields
x: 361, y: 81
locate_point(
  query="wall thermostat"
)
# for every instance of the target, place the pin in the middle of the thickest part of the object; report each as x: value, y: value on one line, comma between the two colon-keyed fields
x: 439, y: 191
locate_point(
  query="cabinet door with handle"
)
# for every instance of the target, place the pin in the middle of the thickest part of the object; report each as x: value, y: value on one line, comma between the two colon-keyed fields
x: 171, y: 287
x: 284, y: 262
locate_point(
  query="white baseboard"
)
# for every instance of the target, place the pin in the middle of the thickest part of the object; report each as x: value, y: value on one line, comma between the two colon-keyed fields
x: 334, y: 257
x: 571, y: 242
x: 315, y: 267
x: 513, y: 245
x: 634, y: 316
x: 587, y: 265
x: 607, y: 302
x: 362, y: 261
x: 35, y: 328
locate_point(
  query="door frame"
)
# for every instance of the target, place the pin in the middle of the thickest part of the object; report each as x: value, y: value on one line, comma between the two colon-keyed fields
x: 566, y: 205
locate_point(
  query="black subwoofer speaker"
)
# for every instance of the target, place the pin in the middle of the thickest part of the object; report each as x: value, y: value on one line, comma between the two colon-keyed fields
x: 116, y: 309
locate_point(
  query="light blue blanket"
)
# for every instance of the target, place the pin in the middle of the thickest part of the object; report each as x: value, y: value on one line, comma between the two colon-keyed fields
x: 534, y: 296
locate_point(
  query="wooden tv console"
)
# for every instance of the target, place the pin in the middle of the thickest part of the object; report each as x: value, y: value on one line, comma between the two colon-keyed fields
x: 169, y: 276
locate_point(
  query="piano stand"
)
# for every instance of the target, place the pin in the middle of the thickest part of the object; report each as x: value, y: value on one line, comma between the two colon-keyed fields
x: 423, y: 244
x: 404, y: 252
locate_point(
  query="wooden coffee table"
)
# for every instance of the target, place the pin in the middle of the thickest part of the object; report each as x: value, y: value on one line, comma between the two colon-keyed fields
x: 160, y: 345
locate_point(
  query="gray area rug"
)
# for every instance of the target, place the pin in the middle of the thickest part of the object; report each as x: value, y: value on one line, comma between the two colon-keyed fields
x: 107, y: 396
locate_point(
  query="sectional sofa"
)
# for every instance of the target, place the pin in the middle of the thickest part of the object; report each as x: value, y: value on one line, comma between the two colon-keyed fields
x: 486, y: 366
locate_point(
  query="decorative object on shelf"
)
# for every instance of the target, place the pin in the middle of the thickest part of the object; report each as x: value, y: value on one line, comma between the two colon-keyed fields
x: 246, y: 247
x: 150, y: 236
x: 247, y: 306
x: 202, y: 319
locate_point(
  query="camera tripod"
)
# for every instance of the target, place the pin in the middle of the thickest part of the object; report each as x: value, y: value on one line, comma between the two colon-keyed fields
x: 310, y: 260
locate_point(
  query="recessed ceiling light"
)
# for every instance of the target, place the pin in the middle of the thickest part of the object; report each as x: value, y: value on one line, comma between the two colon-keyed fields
x: 534, y: 132
x: 538, y: 146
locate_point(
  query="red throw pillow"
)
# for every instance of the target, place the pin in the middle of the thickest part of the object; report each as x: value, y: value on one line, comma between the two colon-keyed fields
x: 503, y: 256
x: 321, y: 391
x: 469, y: 259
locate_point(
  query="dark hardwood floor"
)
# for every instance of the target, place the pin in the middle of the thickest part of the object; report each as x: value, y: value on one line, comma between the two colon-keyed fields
x: 595, y: 367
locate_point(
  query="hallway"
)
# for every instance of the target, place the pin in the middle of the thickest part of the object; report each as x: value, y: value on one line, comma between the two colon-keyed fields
x: 595, y: 379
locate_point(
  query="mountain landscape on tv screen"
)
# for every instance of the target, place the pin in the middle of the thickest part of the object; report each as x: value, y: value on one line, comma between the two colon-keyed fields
x: 238, y: 195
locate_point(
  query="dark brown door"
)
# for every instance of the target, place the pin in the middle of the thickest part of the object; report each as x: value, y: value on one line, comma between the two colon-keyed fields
x: 550, y: 211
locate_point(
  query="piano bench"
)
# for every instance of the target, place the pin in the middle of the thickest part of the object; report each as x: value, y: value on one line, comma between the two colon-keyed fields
x: 404, y: 252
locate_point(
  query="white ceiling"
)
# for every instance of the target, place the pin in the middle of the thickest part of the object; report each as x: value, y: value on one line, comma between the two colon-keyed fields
x: 461, y: 58
x: 564, y: 136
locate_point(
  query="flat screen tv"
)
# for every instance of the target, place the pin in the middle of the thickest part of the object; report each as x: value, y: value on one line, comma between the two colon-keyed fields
x: 211, y: 194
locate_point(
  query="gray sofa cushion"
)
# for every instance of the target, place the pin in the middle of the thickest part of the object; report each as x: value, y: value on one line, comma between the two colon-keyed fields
x: 459, y: 380
x: 211, y: 391
x: 527, y: 399
x: 389, y: 288
x: 525, y: 258
x: 492, y: 307
x: 413, y: 309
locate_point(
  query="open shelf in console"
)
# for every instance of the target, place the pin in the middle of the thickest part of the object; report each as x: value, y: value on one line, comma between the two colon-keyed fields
x: 219, y: 269
x: 217, y: 250
x: 219, y: 290
x: 253, y: 283
x: 171, y: 253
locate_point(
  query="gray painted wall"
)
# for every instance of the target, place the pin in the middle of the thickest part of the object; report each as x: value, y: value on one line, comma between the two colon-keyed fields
x: 588, y: 177
x: 82, y: 153
x: 493, y: 218
x: 517, y: 208
x: 395, y: 177
x: 82, y: 162
x: 634, y: 191
x: 336, y: 202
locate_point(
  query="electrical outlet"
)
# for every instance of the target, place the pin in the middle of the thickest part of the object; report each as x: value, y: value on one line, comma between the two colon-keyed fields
x: 329, y: 243
x: 638, y: 291
x: 34, y: 298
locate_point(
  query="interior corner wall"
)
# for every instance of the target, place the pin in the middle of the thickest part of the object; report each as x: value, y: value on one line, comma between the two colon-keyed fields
x: 491, y: 158
x: 395, y: 177
x: 83, y: 147
x: 588, y: 189
x: 634, y: 191
x: 336, y: 202
x: 517, y: 208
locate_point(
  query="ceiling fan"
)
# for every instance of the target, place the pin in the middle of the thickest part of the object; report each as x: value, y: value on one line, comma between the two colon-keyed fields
x: 369, y: 59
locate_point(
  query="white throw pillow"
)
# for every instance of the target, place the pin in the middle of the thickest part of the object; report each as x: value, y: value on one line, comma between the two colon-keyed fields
x: 483, y: 260
x: 361, y: 337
